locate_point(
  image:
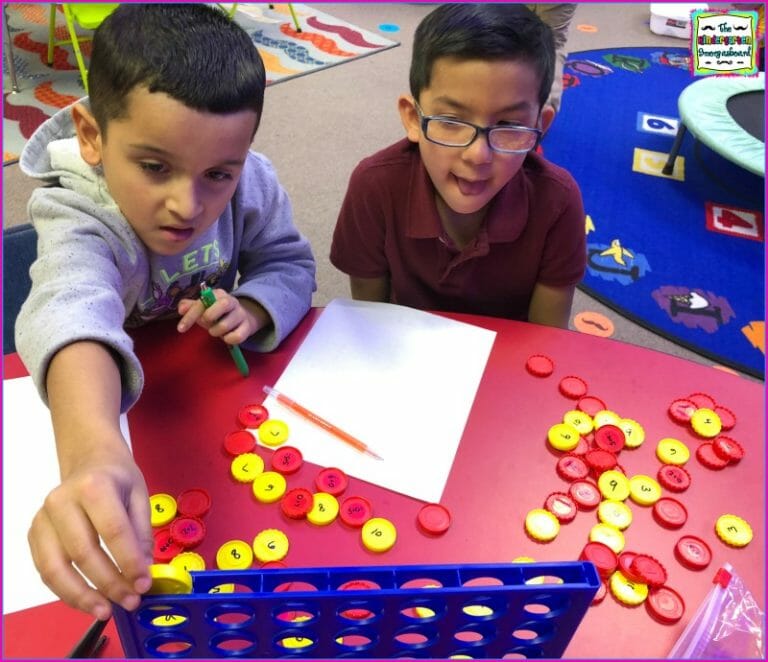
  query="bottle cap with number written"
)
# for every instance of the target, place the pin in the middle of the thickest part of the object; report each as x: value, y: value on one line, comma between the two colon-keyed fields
x: 169, y: 579
x: 378, y: 534
x: 332, y: 480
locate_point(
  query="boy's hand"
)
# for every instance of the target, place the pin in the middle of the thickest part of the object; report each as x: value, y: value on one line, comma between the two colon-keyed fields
x: 104, y: 497
x: 232, y: 319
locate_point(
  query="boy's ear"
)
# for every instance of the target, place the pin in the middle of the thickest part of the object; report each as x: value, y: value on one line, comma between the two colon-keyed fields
x: 88, y: 134
x: 409, y: 117
x: 547, y: 116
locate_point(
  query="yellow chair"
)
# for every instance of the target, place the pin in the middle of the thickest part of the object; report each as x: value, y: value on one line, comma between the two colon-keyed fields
x: 86, y: 16
x: 294, y: 18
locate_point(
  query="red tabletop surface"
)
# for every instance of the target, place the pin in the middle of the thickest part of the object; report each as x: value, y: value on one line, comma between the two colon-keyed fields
x: 503, y: 468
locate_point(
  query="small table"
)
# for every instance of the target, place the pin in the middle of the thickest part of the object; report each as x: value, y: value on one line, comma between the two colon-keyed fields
x: 727, y: 114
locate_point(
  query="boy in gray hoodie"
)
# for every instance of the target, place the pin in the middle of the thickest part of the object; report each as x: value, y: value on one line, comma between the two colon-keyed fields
x: 154, y: 190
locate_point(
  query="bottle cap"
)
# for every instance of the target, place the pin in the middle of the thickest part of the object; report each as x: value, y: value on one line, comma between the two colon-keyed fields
x: 615, y: 513
x: 563, y: 437
x: 602, y: 556
x: 590, y: 404
x: 270, y: 545
x: 573, y: 387
x: 644, y: 490
x: 614, y: 485
x: 195, y: 502
x: 585, y: 493
x: 296, y: 503
x: 727, y: 417
x: 187, y: 531
x: 245, y: 467
x: 681, y: 410
x: 728, y: 449
x: 561, y: 506
x: 332, y: 480
x: 674, y: 478
x: 610, y: 438
x: 239, y: 442
x: 578, y: 419
x: 706, y: 454
x: 733, y: 530
x: 169, y: 579
x: 634, y: 433
x: 252, y: 416
x: 287, y: 460
x: 693, y: 552
x: 665, y: 605
x: 378, y: 534
x: 626, y: 591
x: 571, y: 467
x: 670, y: 513
x: 706, y: 423
x: 434, y: 518
x: 608, y: 535
x: 325, y: 508
x: 702, y: 400
x: 234, y: 555
x: 672, y: 451
x: 355, y: 511
x: 540, y: 365
x: 649, y: 570
x: 625, y: 566
x: 163, y: 509
x: 541, y: 525
x: 600, y: 460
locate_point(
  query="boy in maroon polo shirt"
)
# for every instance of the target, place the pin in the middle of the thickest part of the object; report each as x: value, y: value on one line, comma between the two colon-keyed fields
x: 462, y: 215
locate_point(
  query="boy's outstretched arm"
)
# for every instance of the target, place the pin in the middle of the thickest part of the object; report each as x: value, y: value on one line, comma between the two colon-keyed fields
x: 369, y: 289
x: 551, y: 305
x: 102, y: 494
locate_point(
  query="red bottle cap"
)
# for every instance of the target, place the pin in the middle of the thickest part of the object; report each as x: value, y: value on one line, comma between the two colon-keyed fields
x: 573, y: 387
x: 674, y: 478
x: 600, y: 460
x: 625, y: 566
x: 434, y: 518
x: 296, y: 503
x: 273, y: 564
x: 195, y: 502
x: 649, y: 570
x: 602, y: 556
x: 571, y: 467
x: 355, y: 511
x: 165, y: 547
x: 681, y: 410
x: 540, y: 365
x: 702, y: 400
x: 332, y: 480
x: 728, y: 449
x: 585, y: 493
x: 187, y: 531
x: 561, y: 506
x: 727, y: 417
x: 237, y: 443
x: 705, y: 453
x: 287, y: 460
x: 252, y: 416
x: 693, y: 552
x: 589, y: 404
x: 665, y: 605
x: 610, y: 438
x: 602, y: 591
x: 670, y: 513
x: 582, y: 447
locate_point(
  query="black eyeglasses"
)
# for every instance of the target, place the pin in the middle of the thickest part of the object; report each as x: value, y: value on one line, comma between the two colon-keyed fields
x: 458, y: 133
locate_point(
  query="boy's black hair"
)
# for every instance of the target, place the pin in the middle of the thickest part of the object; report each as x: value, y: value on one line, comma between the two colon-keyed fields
x: 192, y: 52
x: 480, y: 31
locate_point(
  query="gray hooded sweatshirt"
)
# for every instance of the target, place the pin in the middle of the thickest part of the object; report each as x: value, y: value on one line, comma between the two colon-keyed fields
x: 93, y: 276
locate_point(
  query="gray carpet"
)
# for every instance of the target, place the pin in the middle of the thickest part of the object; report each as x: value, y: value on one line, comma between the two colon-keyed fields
x: 316, y: 128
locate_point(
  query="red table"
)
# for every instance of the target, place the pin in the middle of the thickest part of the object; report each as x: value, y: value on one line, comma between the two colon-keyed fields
x: 503, y: 468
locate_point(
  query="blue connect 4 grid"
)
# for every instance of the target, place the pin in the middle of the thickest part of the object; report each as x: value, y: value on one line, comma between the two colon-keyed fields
x: 482, y: 611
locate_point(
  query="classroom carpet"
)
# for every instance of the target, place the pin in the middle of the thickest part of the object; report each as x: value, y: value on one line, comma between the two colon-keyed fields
x: 682, y: 255
x: 324, y: 41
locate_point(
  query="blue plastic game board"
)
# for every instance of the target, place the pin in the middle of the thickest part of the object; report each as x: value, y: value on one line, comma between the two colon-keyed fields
x: 481, y: 611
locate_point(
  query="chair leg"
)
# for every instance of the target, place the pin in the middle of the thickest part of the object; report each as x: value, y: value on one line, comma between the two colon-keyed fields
x: 293, y: 16
x: 669, y: 166
x: 51, y: 31
x: 76, y: 47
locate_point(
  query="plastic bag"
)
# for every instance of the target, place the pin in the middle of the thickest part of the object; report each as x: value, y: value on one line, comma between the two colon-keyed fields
x: 727, y: 626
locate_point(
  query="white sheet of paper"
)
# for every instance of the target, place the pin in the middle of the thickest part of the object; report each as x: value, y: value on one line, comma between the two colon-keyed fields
x: 401, y: 380
x: 30, y: 472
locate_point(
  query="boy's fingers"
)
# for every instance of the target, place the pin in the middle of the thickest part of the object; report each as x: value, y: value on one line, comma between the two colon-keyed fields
x: 58, y: 573
x: 190, y: 316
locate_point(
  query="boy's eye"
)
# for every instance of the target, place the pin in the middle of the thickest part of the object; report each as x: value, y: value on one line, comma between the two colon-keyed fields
x: 219, y: 175
x: 152, y: 167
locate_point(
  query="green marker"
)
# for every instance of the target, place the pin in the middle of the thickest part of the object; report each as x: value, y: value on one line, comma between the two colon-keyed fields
x: 209, y: 298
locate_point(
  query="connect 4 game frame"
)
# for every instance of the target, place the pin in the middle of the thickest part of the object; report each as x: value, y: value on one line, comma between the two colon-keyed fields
x: 437, y: 611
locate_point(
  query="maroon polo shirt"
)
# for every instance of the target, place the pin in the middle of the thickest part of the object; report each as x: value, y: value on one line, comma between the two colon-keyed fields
x: 389, y: 226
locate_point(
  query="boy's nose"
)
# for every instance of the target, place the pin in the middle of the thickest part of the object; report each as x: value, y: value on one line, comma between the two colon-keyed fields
x: 184, y: 200
x: 479, y: 151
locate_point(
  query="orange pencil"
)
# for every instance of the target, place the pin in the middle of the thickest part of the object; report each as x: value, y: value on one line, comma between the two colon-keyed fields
x: 320, y: 422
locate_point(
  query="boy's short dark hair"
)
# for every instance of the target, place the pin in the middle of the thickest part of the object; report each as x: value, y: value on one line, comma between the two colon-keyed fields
x: 192, y: 52
x: 480, y: 31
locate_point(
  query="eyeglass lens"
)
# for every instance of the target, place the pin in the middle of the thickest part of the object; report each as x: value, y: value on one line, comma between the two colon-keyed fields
x: 458, y: 134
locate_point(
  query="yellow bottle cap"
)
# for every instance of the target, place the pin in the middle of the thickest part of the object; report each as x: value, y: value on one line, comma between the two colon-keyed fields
x: 378, y: 534
x: 634, y: 433
x: 706, y: 423
x: 246, y: 467
x: 626, y: 591
x: 269, y: 486
x: 608, y: 535
x: 563, y: 437
x: 325, y: 508
x: 223, y: 588
x: 615, y: 513
x: 163, y: 508
x: 234, y: 555
x: 605, y: 417
x: 273, y: 432
x: 579, y: 420
x: 296, y: 642
x: 168, y: 620
x: 644, y: 490
x: 189, y: 561
x: 672, y: 451
x: 542, y: 525
x: 270, y: 545
x: 168, y: 579
x: 733, y: 530
x: 523, y: 559
x: 613, y: 485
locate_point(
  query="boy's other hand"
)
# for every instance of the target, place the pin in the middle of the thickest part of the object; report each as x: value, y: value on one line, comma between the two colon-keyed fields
x: 232, y: 319
x: 103, y: 498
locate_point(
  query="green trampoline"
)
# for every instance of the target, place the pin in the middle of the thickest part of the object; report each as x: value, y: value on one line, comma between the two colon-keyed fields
x: 727, y: 114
